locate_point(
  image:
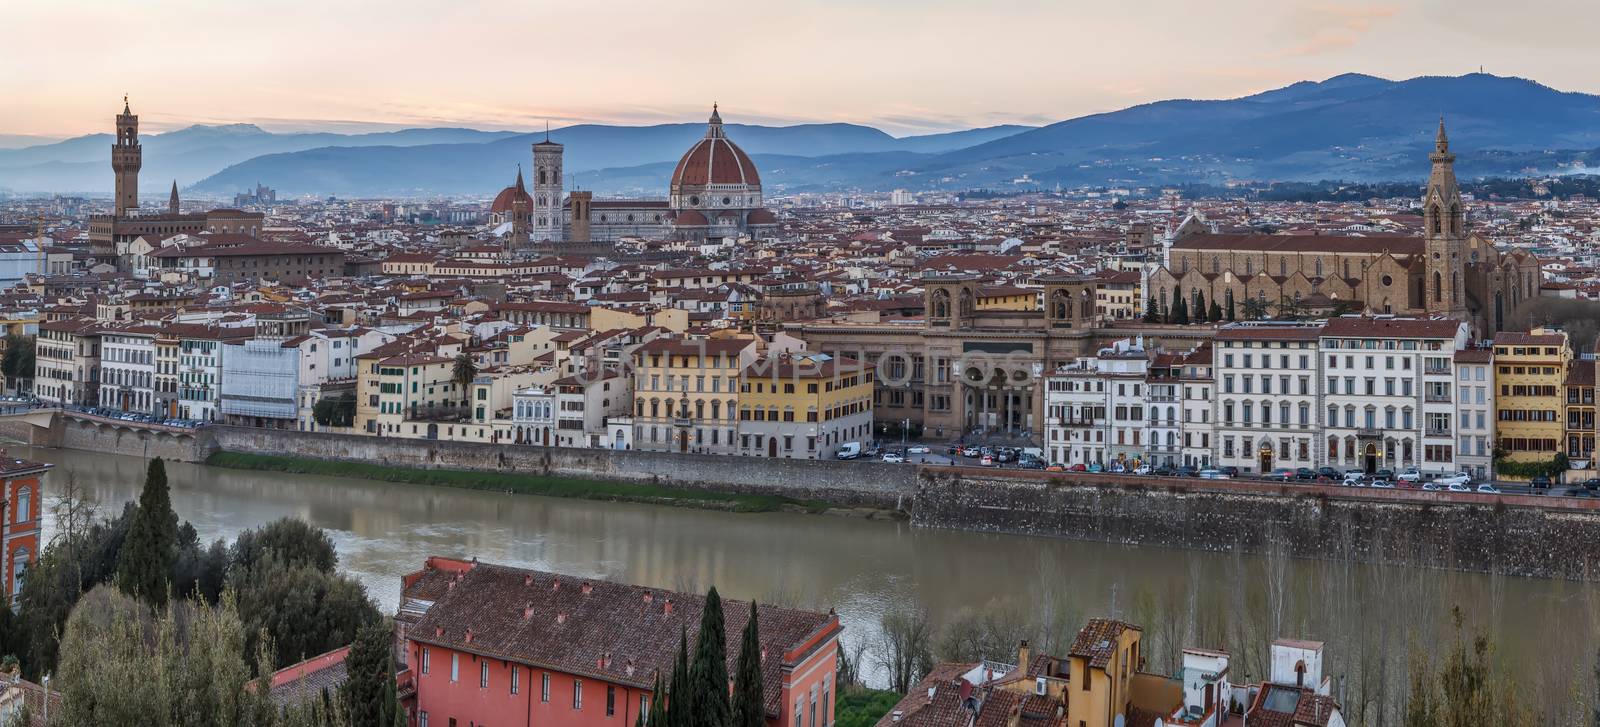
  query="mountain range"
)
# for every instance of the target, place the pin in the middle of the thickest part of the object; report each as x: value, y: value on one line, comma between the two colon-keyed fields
x: 1351, y: 127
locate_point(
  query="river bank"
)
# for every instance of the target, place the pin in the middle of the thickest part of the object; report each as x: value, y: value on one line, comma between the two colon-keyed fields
x: 544, y: 485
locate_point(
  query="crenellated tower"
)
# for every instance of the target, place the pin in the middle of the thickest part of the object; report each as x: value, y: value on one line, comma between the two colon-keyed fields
x: 1444, y: 229
x: 126, y: 158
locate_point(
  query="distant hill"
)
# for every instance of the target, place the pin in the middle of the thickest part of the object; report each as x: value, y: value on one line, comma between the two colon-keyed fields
x: 1353, y: 127
x: 83, y: 164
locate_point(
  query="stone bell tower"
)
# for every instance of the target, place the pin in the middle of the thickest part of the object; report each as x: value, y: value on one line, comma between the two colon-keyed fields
x: 1070, y: 301
x: 949, y: 301
x: 1444, y: 229
x: 126, y: 158
x: 547, y: 189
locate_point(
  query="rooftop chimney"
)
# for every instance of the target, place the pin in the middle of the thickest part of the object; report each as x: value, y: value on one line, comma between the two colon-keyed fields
x: 586, y: 588
x: 527, y: 611
x: 469, y: 636
x: 1023, y: 652
x: 561, y: 618
x: 666, y: 608
x: 527, y: 580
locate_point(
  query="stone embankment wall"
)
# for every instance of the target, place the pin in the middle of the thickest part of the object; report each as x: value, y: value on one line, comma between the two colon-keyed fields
x: 855, y: 483
x: 1514, y: 535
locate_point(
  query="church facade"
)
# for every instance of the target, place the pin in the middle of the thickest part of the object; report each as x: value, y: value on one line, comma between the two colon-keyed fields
x: 1447, y: 271
x: 715, y: 193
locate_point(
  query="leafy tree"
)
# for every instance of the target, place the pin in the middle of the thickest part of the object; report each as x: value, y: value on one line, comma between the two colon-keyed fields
x: 79, y: 557
x: 145, y: 565
x: 748, y: 709
x: 18, y: 361
x: 1465, y: 689
x: 1255, y: 309
x: 708, y: 675
x: 292, y: 541
x: 340, y: 412
x: 462, y: 373
x: 860, y: 707
x: 307, y: 611
x: 369, y: 694
x: 1198, y: 310
x: 182, y: 665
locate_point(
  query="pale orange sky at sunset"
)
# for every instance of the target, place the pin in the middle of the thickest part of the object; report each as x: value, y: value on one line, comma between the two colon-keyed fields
x: 906, y: 66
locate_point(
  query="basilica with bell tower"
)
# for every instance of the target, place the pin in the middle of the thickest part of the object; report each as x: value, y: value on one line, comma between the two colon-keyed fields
x: 1443, y: 225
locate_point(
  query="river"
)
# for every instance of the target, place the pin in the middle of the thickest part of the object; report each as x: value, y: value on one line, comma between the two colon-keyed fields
x: 863, y: 568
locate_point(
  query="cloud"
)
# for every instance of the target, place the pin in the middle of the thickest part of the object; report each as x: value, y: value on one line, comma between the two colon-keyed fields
x: 1323, y: 29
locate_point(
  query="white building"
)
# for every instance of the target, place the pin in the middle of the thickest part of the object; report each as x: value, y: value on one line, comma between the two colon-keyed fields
x: 1268, y: 395
x: 1199, y: 418
x: 1095, y: 408
x: 128, y: 370
x: 1390, y: 394
x: 1475, y: 412
x: 533, y: 417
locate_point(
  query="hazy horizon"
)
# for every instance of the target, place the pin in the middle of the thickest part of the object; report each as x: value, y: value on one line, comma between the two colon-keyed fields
x: 907, y: 68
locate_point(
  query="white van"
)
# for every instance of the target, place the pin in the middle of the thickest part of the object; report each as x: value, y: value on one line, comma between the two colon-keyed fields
x: 849, y: 450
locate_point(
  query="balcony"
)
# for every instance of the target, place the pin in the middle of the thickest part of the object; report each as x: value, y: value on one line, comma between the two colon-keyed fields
x: 1436, y: 398
x: 1369, y: 433
x: 1432, y: 432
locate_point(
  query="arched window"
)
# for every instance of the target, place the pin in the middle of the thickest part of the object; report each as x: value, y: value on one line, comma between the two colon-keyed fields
x: 1319, y: 267
x: 1455, y: 219
x: 1438, y: 287
x: 1438, y: 224
x: 24, y: 505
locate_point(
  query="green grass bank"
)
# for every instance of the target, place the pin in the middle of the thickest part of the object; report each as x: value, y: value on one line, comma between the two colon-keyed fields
x: 520, y: 483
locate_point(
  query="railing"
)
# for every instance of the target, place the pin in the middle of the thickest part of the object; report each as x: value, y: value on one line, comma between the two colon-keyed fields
x: 1437, y: 398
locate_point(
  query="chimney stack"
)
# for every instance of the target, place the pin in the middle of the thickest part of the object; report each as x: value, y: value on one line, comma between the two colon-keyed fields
x: 1023, y: 654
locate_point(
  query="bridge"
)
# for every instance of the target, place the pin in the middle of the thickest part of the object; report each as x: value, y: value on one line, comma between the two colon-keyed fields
x: 74, y: 429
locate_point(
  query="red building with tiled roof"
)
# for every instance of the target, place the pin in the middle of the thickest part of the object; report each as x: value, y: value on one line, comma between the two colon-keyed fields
x: 22, y: 482
x: 488, y: 644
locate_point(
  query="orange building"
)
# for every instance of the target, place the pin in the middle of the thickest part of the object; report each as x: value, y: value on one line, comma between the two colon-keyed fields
x: 24, y: 496
x: 488, y: 644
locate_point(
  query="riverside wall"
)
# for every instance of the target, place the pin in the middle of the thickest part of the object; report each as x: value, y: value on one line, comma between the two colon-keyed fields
x: 853, y: 484
x: 1523, y: 535
x: 1545, y: 537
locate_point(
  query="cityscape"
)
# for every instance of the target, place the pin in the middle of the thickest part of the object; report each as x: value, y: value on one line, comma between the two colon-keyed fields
x: 1272, y: 403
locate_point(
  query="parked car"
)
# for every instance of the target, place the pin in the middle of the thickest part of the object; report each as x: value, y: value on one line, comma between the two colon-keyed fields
x: 1432, y: 486
x: 1165, y: 470
x: 1230, y: 471
x: 1144, y: 469
x: 970, y: 451
x: 1055, y: 468
x: 1187, y: 470
x: 893, y: 458
x: 1212, y: 475
x: 1354, y: 479
x: 1384, y: 475
x: 1005, y: 455
x: 1488, y: 489
x: 1383, y: 484
x: 1457, y: 487
x: 1305, y: 473
x: 1080, y: 467
x: 1330, y: 473
x: 1590, y: 484
x: 1283, y: 474
x: 986, y: 461
x: 1030, y: 463
x: 1539, y: 483
x: 1097, y: 467
x: 1452, y: 478
x: 917, y: 449
x: 1410, y: 476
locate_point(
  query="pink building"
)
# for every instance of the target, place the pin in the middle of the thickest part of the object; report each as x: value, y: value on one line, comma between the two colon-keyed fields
x: 492, y: 645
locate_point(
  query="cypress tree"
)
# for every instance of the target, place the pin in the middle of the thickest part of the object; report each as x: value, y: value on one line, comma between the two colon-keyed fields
x: 1180, y: 312
x: 1214, y: 313
x: 1232, y: 316
x: 1177, y: 303
x: 748, y: 708
x: 144, y: 567
x: 1152, y: 310
x: 1199, y: 307
x: 679, y: 712
x: 658, y: 704
x: 708, y: 676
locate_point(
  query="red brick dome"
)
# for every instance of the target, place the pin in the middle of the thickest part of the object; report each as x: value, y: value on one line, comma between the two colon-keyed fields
x: 715, y: 160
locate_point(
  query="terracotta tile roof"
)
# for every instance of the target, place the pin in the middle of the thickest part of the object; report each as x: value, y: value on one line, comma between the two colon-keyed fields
x: 617, y: 632
x: 1391, y: 327
x: 1097, y: 641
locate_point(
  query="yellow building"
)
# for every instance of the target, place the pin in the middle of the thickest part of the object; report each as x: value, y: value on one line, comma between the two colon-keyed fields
x: 1530, y: 372
x: 1007, y: 297
x: 1102, y: 664
x: 401, y: 393
x: 804, y: 406
x: 686, y: 393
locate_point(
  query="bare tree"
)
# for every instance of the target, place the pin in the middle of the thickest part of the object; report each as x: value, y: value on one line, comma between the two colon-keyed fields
x: 905, y: 647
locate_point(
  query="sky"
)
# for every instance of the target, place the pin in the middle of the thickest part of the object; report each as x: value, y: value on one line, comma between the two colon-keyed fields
x: 905, y: 66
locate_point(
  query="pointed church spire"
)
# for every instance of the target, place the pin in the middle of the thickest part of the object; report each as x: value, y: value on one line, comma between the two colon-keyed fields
x: 519, y: 178
x: 1441, y: 143
x: 125, y: 110
x: 172, y: 202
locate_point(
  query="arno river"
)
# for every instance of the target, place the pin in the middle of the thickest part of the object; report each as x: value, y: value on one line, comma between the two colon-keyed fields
x: 861, y: 568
